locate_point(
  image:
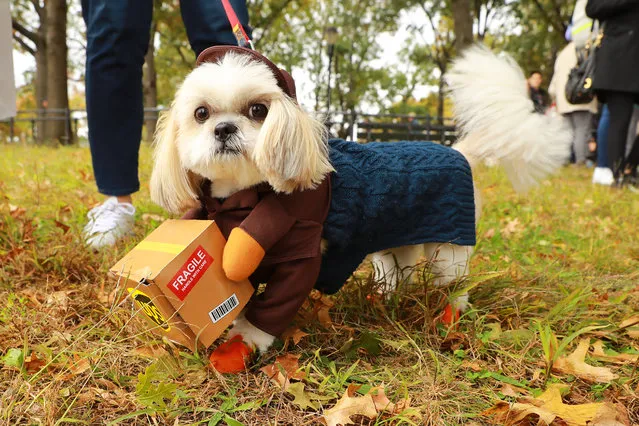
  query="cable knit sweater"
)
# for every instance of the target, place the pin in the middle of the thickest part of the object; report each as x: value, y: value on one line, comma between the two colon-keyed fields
x: 387, y: 195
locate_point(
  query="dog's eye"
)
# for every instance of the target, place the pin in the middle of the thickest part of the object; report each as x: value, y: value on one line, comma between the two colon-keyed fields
x: 258, y: 111
x: 201, y: 114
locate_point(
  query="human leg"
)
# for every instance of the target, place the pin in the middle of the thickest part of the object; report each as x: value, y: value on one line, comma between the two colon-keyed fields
x: 207, y: 24
x: 581, y: 127
x: 117, y: 38
x: 620, y: 105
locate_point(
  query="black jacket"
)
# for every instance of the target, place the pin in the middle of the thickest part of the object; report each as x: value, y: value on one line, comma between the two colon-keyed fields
x: 617, y: 60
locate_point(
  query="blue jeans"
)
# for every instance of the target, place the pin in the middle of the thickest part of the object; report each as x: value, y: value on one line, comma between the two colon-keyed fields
x: 602, y: 138
x: 118, y: 33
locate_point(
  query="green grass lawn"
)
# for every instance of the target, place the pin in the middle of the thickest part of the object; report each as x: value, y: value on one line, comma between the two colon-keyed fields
x: 552, y: 267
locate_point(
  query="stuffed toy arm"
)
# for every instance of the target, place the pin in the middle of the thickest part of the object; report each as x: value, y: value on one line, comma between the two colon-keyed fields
x: 248, y: 243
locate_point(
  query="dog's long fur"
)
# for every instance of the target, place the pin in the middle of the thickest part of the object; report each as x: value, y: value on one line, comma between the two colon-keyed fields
x: 289, y: 151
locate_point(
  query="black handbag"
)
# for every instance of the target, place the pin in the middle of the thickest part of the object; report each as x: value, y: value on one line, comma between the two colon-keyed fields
x: 579, y: 88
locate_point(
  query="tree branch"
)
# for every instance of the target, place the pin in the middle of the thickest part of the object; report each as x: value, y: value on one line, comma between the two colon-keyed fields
x: 34, y: 37
x: 548, y: 18
x: 24, y: 45
x: 38, y: 8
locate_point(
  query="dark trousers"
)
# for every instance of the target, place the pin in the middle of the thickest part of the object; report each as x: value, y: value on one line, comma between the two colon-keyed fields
x: 621, y: 105
x: 118, y: 33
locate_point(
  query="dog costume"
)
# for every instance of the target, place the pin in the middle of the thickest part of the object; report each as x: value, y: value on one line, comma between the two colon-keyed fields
x: 381, y: 196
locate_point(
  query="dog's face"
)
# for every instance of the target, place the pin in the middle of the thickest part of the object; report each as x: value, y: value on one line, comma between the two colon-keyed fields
x: 230, y: 122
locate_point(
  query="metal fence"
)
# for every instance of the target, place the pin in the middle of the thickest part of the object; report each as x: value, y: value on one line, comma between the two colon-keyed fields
x: 354, y: 126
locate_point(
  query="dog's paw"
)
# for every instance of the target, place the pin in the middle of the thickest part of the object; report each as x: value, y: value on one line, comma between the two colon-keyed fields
x: 250, y: 334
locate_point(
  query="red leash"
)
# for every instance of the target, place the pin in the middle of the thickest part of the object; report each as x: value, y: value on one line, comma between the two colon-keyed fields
x: 242, y: 39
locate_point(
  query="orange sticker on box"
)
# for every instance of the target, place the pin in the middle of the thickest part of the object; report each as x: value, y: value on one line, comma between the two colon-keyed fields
x: 190, y: 273
x: 149, y: 308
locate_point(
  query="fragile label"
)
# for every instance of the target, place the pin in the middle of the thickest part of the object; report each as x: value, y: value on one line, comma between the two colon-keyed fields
x: 190, y: 273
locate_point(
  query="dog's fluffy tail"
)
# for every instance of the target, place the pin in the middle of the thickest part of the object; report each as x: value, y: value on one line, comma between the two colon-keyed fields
x: 497, y: 122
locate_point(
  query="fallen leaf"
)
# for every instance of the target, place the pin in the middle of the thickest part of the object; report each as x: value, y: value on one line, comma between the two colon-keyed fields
x: 59, y: 299
x: 294, y: 334
x: 33, y: 364
x: 632, y: 326
x: 302, y: 398
x: 149, y: 351
x: 489, y: 234
x: 349, y: 406
x: 381, y: 401
x: 156, y: 217
x: 575, y: 365
x: 599, y: 353
x: 284, y: 368
x: 549, y: 407
x: 16, y: 211
x: 514, y: 391
x: 80, y: 365
x: 65, y: 228
x: 471, y: 365
x: 512, y: 227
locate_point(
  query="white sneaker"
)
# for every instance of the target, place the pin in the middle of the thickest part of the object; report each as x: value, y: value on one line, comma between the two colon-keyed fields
x: 108, y: 222
x: 603, y: 176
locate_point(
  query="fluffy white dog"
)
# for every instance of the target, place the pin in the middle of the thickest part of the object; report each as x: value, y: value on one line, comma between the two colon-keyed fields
x: 235, y: 125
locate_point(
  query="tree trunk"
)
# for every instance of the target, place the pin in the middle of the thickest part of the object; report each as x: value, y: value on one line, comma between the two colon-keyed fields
x: 149, y: 84
x: 57, y: 129
x: 41, y: 87
x: 441, y: 96
x: 463, y: 20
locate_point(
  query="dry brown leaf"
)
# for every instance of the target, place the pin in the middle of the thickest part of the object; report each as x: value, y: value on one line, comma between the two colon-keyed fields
x: 16, y: 211
x: 489, y: 234
x: 294, y: 334
x: 598, y: 352
x: 59, y: 299
x: 512, y: 227
x: 575, y: 365
x: 33, y: 364
x: 149, y: 216
x: 348, y: 406
x: 471, y: 365
x: 632, y: 326
x: 549, y: 407
x: 633, y: 320
x: 80, y: 365
x: 65, y: 228
x: 514, y: 391
x: 149, y: 351
x: 284, y: 368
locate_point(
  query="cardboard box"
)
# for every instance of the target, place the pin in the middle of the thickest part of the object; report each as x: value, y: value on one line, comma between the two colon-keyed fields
x: 175, y: 277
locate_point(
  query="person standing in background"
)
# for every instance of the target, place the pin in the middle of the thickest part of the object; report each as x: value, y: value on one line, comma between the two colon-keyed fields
x: 616, y: 80
x: 118, y: 33
x: 538, y: 96
x: 579, y: 116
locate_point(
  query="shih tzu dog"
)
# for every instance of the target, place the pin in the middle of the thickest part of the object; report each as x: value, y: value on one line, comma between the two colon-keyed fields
x: 300, y: 211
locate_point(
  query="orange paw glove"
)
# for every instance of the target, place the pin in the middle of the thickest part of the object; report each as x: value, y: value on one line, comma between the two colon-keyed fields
x: 231, y: 356
x: 242, y: 255
x: 448, y: 317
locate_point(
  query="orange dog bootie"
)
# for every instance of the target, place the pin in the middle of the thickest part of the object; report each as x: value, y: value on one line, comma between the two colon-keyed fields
x: 448, y: 317
x: 231, y: 356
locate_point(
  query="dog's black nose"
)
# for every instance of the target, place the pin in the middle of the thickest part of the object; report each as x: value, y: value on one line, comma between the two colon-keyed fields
x: 224, y: 130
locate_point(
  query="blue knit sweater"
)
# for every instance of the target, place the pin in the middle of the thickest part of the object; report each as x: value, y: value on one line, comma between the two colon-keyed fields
x: 387, y: 195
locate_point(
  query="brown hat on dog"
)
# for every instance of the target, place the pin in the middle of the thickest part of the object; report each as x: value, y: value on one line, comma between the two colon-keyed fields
x: 284, y: 79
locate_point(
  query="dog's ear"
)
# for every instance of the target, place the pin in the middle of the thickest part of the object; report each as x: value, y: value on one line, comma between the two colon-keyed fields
x: 172, y: 186
x: 292, y: 147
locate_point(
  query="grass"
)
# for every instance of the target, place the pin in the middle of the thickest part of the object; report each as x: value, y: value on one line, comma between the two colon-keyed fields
x: 548, y: 264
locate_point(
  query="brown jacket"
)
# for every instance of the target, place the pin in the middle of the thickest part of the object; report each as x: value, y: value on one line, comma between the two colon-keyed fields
x: 289, y: 229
